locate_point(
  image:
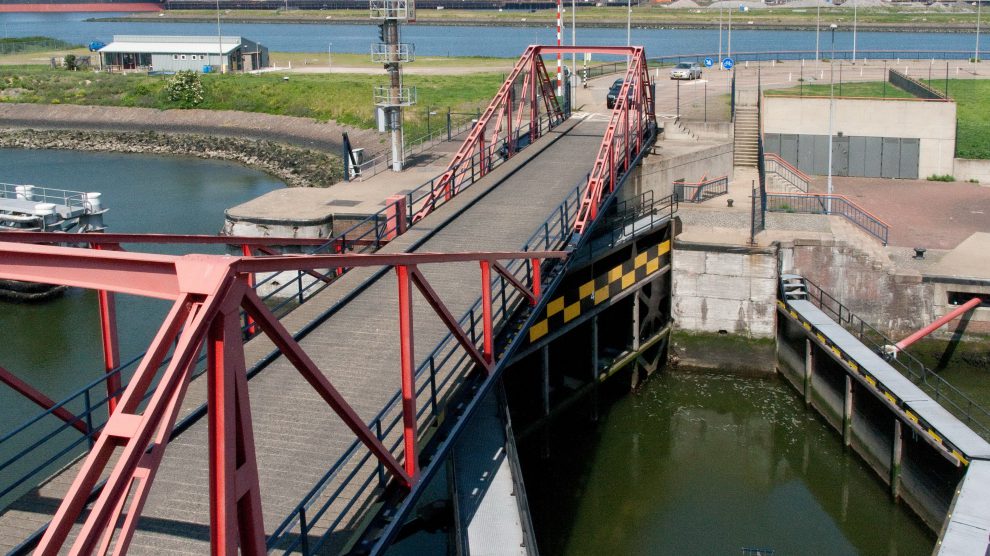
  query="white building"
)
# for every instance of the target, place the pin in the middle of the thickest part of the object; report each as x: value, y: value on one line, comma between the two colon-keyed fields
x: 173, y: 53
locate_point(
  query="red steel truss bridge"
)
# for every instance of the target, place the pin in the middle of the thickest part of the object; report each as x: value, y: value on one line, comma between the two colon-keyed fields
x: 293, y: 402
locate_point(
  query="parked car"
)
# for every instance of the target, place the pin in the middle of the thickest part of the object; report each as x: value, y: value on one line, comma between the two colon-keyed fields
x: 686, y: 70
x: 613, y: 93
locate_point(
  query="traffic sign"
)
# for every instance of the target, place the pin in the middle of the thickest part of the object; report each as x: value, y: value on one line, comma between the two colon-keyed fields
x: 709, y: 62
x: 727, y: 63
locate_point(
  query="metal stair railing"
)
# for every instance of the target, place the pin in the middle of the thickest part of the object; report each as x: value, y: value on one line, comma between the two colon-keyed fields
x: 776, y: 165
x: 821, y: 203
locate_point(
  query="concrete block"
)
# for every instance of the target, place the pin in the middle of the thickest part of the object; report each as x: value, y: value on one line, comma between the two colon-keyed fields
x: 763, y: 290
x: 725, y: 264
x: 716, y: 286
x: 688, y: 307
x: 903, y: 279
x: 688, y: 261
x: 760, y: 266
x: 686, y: 285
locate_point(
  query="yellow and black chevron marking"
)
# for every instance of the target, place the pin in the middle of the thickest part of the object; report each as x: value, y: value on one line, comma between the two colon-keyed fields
x: 567, y: 307
x: 893, y: 401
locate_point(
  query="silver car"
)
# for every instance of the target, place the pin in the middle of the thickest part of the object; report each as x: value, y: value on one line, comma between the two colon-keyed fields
x: 686, y: 70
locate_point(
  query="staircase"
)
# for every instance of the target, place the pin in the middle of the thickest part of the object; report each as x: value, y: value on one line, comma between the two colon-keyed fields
x: 746, y: 130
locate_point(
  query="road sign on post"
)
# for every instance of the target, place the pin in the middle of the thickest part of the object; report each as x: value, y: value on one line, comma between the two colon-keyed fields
x: 709, y: 62
x: 727, y: 63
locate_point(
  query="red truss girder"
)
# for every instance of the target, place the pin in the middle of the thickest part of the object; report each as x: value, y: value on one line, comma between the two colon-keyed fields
x: 207, y: 292
x: 631, y: 118
x: 506, y: 113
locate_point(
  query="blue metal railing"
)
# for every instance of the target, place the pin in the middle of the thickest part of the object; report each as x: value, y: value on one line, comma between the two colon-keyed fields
x: 701, y: 191
x: 815, y: 203
x: 31, y: 460
x: 776, y: 165
x: 969, y: 411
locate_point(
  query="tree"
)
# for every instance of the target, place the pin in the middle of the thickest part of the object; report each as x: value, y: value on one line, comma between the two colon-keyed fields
x: 185, y: 89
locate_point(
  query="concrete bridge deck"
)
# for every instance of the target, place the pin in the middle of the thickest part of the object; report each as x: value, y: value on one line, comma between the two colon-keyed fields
x: 297, y: 436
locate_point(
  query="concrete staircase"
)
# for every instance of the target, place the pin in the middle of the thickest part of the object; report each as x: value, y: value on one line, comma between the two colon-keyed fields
x: 746, y: 130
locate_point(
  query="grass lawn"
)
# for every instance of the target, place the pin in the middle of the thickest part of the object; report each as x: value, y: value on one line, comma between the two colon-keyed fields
x: 972, y: 98
x: 345, y: 98
x: 867, y: 89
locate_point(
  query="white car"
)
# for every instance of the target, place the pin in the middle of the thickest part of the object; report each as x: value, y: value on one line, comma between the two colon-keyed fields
x: 686, y: 70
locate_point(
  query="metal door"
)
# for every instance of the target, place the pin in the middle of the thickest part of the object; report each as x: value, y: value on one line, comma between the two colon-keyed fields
x: 874, y: 152
x: 805, y: 157
x: 771, y: 142
x: 890, y: 160
x: 789, y: 148
x: 840, y: 156
x: 857, y: 156
x: 820, y: 149
x: 909, y: 159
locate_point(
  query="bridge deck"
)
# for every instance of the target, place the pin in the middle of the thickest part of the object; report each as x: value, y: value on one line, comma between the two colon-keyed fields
x: 297, y: 436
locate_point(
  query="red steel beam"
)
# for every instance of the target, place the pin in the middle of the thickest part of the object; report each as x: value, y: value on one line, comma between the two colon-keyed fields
x: 958, y: 311
x: 192, y: 239
x: 276, y: 264
x: 41, y: 400
x: 410, y: 431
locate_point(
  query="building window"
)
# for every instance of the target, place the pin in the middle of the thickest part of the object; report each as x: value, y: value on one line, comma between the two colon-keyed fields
x: 183, y: 57
x: 175, y: 56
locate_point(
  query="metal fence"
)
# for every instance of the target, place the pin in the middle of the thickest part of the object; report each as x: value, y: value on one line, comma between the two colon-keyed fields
x: 775, y: 166
x: 71, y: 199
x: 820, y: 203
x: 701, y: 191
x: 970, y: 412
x: 913, y: 86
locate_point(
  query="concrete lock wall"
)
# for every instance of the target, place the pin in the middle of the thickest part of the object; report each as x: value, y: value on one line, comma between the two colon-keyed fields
x: 933, y: 122
x: 658, y: 172
x: 723, y: 288
x: 965, y: 169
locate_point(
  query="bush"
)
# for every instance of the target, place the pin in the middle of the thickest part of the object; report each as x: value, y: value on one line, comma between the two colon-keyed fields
x: 942, y: 177
x: 184, y: 89
x: 70, y: 62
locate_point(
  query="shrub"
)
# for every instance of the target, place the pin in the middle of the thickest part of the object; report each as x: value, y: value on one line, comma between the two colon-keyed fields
x: 942, y: 177
x: 184, y: 89
x: 70, y: 62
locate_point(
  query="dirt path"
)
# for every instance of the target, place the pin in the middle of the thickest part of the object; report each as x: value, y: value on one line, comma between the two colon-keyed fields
x: 303, y: 132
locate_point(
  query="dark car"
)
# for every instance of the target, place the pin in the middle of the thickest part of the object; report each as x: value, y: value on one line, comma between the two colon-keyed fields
x: 613, y: 93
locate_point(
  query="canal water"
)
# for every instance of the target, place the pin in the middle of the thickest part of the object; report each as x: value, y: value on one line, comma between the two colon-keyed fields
x: 434, y: 40
x: 708, y: 464
x: 55, y: 345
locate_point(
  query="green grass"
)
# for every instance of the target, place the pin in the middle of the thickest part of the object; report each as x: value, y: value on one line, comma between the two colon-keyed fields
x: 345, y: 98
x: 972, y: 98
x: 33, y: 44
x: 868, y: 89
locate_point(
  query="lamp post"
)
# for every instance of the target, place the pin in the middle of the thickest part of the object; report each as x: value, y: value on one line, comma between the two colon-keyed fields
x: 855, y: 5
x: 976, y: 52
x: 831, y: 118
x: 219, y: 38
x: 574, y: 78
x: 330, y: 57
x: 818, y: 24
x: 720, y: 38
x: 628, y: 22
x: 728, y: 48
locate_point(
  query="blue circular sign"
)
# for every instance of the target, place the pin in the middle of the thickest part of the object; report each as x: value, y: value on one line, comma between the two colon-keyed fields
x: 709, y: 62
x: 727, y: 63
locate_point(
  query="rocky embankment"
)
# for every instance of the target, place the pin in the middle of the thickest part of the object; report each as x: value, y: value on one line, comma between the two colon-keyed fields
x: 296, y: 166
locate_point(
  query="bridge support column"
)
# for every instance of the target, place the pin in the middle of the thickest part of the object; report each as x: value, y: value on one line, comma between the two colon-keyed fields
x: 847, y: 410
x: 545, y: 390
x: 594, y: 368
x: 406, y: 362
x: 111, y: 347
x: 809, y: 365
x: 895, y: 460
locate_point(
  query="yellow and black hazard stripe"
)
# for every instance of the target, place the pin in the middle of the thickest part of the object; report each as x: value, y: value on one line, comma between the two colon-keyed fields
x: 565, y: 308
x: 892, y: 400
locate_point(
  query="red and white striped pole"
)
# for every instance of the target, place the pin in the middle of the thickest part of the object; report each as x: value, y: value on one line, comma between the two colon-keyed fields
x: 560, y: 34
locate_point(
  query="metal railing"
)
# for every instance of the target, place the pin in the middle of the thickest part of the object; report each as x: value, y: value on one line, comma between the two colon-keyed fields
x: 40, y: 194
x: 630, y: 218
x: 435, y: 378
x: 39, y: 446
x: 701, y: 191
x: 774, y: 164
x: 951, y: 398
x: 914, y: 86
x: 820, y: 203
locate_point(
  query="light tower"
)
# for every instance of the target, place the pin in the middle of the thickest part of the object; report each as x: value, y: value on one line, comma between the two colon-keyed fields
x: 392, y: 53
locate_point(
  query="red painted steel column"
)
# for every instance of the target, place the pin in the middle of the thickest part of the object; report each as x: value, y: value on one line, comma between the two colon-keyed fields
x: 111, y: 346
x: 406, y: 362
x: 246, y: 251
x: 486, y: 310
x: 536, y: 281
x: 971, y: 304
x: 235, y: 498
x: 395, y: 216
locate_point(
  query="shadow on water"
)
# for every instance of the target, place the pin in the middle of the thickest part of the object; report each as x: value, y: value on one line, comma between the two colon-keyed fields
x: 708, y: 463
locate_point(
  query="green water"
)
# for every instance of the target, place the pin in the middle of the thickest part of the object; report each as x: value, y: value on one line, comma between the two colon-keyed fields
x: 55, y: 345
x: 707, y: 464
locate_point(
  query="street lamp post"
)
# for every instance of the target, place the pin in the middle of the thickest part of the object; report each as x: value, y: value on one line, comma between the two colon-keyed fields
x: 629, y: 23
x: 855, y: 5
x: 720, y: 38
x: 976, y: 52
x: 219, y: 39
x: 831, y: 118
x: 818, y: 24
x: 728, y: 48
x: 330, y: 57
